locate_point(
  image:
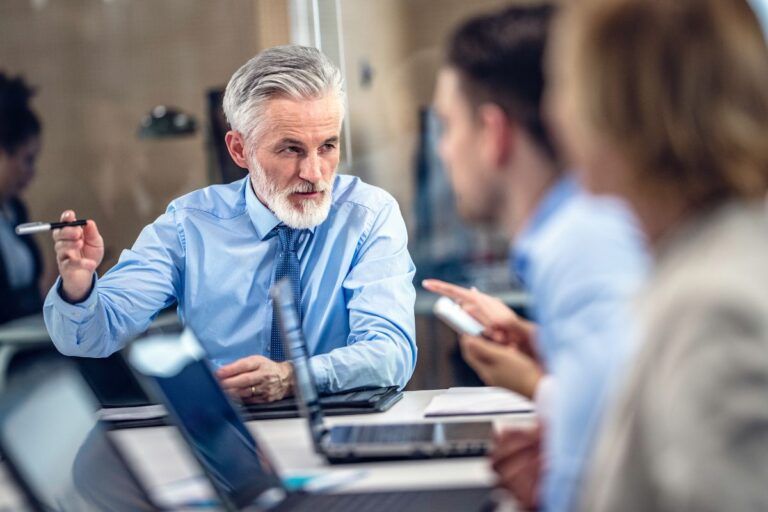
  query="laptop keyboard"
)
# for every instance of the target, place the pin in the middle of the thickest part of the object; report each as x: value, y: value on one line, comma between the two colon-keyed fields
x: 383, y: 434
x: 442, y: 500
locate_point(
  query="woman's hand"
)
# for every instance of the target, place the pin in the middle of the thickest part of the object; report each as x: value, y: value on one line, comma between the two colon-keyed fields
x: 502, y: 325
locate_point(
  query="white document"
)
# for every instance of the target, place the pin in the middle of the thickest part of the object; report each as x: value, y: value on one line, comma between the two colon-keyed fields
x: 476, y: 401
x: 142, y: 412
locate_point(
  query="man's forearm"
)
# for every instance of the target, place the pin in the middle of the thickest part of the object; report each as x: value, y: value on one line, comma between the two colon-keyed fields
x: 366, y: 363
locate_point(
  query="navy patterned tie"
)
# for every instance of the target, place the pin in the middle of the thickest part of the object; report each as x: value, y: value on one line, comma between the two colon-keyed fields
x: 287, y: 266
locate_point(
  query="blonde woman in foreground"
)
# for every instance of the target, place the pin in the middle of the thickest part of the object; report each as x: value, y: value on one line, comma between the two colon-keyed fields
x: 665, y: 103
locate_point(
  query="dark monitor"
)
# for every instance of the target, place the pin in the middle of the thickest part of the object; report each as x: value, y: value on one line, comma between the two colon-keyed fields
x: 222, y: 168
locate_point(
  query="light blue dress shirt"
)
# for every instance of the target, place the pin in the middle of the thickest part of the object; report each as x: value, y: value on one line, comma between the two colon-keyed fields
x: 214, y: 252
x: 583, y: 259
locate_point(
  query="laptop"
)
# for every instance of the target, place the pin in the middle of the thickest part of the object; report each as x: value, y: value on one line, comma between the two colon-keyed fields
x: 360, y: 443
x: 176, y: 371
x: 57, y: 454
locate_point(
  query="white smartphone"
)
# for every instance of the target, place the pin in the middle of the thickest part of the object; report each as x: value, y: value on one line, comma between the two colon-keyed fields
x: 456, y: 318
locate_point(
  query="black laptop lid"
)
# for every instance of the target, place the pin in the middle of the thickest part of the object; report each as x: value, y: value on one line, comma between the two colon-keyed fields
x: 296, y: 348
x: 182, y: 378
x: 56, y: 451
x: 112, y: 382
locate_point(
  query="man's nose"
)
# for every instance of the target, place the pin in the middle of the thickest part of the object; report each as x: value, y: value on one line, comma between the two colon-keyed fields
x: 311, y: 169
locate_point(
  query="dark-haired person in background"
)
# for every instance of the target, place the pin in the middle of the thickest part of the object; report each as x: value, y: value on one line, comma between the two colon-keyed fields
x: 20, y: 262
x: 581, y: 258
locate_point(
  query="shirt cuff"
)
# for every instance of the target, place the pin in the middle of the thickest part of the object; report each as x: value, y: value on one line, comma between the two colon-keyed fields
x: 77, y: 311
x: 321, y: 373
x: 543, y: 397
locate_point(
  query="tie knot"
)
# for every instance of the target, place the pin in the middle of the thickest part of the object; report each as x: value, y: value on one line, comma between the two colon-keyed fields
x: 288, y: 237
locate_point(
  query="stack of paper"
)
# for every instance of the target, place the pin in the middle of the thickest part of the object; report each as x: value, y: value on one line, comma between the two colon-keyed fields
x: 478, y: 400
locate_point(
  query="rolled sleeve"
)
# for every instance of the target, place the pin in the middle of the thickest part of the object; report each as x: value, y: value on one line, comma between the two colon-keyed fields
x: 321, y: 372
x: 73, y: 311
x: 124, y: 302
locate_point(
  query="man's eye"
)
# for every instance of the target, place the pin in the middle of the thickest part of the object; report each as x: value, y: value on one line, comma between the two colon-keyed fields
x: 328, y: 147
x: 293, y: 149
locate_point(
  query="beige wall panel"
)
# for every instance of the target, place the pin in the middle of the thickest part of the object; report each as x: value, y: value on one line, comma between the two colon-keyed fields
x: 100, y: 66
x: 273, y: 27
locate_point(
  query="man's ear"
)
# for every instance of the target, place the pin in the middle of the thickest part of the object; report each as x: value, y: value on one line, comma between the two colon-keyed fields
x: 498, y: 141
x: 236, y: 148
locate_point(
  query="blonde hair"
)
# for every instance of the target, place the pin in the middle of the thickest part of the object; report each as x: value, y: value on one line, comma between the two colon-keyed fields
x: 679, y: 88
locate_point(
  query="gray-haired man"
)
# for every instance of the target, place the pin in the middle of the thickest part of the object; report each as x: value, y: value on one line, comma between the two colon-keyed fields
x: 217, y: 251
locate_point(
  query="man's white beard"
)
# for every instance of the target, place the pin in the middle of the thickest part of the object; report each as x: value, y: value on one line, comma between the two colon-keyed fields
x: 310, y: 212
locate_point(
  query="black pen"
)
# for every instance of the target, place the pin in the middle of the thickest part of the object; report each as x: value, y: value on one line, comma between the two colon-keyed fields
x: 37, y: 227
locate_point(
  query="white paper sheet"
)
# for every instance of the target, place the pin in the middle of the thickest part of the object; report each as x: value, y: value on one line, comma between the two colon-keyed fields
x: 477, y: 400
x: 143, y: 412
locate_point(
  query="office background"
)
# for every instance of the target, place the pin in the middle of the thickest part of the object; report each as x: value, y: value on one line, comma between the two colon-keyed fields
x: 101, y: 67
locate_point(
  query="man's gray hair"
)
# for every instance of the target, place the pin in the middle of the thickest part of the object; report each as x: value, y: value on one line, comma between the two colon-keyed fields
x: 298, y: 72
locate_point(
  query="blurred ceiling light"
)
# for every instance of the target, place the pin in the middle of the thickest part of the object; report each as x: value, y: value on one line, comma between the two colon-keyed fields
x: 167, y: 122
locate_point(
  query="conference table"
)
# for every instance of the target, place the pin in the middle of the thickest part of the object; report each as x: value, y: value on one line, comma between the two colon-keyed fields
x: 157, y: 453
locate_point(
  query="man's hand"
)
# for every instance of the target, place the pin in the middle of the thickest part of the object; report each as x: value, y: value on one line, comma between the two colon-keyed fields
x: 257, y: 379
x: 503, y: 366
x: 501, y: 324
x: 517, y: 460
x: 79, y: 251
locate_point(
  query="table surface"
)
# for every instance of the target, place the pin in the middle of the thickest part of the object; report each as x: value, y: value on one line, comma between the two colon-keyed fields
x: 159, y: 454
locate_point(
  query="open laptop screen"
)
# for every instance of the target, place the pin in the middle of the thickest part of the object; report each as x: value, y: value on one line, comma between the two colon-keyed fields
x: 58, y: 452
x: 296, y: 347
x: 219, y: 440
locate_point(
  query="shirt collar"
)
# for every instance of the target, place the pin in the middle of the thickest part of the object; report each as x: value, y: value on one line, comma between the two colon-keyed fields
x: 262, y: 218
x: 565, y: 188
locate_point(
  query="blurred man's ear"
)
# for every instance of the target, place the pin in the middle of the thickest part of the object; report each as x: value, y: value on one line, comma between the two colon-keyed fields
x: 236, y: 147
x: 497, y: 135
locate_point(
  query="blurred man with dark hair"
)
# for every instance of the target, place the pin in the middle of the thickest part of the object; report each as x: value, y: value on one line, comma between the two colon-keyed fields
x: 581, y: 259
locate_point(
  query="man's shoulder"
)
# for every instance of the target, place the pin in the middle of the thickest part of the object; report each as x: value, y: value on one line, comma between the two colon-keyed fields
x: 595, y: 238
x: 598, y: 218
x: 223, y: 201
x: 588, y: 224
x: 353, y: 192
